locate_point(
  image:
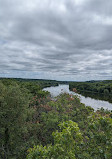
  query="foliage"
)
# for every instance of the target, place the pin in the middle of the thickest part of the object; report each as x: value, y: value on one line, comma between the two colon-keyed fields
x: 99, y: 133
x: 13, y: 115
x: 61, y: 127
x: 69, y: 142
x: 96, y: 87
x: 66, y: 143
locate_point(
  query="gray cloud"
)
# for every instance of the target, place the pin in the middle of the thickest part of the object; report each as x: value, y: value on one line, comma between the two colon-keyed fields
x: 57, y: 39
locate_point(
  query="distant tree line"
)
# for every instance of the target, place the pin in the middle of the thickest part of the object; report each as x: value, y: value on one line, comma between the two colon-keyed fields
x: 102, y: 87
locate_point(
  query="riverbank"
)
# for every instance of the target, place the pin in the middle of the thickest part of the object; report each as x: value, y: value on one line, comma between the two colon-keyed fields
x: 88, y: 101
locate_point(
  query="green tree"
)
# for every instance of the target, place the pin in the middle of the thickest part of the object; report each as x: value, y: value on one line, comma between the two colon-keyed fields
x: 13, y: 114
x: 106, y: 92
x: 66, y: 144
x: 99, y: 144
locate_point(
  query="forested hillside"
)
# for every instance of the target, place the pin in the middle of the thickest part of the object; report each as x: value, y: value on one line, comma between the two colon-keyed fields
x: 103, y: 87
x: 34, y: 126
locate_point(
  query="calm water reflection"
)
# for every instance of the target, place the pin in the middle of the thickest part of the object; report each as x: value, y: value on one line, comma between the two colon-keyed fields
x: 88, y: 101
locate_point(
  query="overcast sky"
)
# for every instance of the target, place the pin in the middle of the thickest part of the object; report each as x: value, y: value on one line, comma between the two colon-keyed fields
x: 56, y: 39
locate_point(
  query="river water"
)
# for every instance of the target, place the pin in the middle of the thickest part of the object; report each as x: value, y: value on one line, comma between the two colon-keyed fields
x: 88, y: 101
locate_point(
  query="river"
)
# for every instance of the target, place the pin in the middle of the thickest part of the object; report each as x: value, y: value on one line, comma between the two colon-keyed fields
x: 88, y: 101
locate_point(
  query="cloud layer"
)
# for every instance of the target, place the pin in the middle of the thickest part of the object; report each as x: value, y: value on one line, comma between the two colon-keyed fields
x: 65, y: 40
